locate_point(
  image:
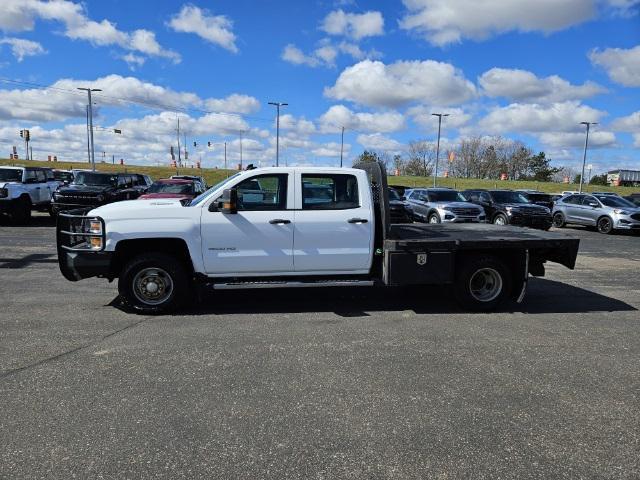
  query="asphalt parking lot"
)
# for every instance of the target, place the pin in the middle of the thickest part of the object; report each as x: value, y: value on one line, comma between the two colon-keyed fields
x: 319, y: 384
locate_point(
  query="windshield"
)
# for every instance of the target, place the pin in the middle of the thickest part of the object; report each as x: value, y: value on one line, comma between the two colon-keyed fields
x: 204, y: 195
x: 445, y: 196
x: 97, y: 179
x: 611, y: 201
x: 509, y: 197
x: 393, y: 195
x: 539, y: 197
x: 10, y: 175
x: 161, y: 187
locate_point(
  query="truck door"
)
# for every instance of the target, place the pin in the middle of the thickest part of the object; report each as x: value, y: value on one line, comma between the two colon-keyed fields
x: 333, y: 224
x: 258, y: 240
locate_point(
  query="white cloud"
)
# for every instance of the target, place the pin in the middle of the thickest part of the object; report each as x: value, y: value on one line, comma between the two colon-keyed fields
x: 422, y: 115
x: 293, y: 54
x: 442, y: 22
x: 379, y: 142
x: 339, y: 116
x: 631, y: 124
x: 234, y: 103
x: 300, y: 127
x: 597, y: 139
x: 374, y: 83
x: 21, y: 48
x: 521, y: 85
x: 539, y: 118
x: 622, y: 65
x: 20, y: 15
x: 134, y: 61
x: 331, y: 150
x: 216, y: 29
x: 355, y: 25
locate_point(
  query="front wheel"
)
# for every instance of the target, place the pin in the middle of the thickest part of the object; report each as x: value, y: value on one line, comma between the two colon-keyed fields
x: 22, y: 213
x: 605, y: 225
x: 482, y: 283
x: 434, y: 218
x: 154, y: 283
x: 558, y: 220
x: 500, y: 219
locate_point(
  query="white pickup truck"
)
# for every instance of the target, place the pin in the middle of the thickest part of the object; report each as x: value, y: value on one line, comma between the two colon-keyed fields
x: 23, y: 189
x: 295, y: 227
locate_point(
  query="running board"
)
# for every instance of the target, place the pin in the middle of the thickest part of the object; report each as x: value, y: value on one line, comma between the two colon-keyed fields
x: 296, y: 284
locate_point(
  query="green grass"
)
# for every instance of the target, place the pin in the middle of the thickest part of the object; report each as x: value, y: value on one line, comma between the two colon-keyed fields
x: 213, y: 176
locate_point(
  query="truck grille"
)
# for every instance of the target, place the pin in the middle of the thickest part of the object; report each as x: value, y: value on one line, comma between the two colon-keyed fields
x: 72, y: 230
x: 636, y: 216
x: 79, y: 199
x: 466, y: 212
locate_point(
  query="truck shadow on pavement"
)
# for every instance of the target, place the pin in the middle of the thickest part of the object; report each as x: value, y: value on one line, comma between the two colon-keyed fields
x: 544, y: 296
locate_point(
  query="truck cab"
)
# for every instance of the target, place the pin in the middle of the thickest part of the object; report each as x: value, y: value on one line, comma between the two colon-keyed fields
x: 285, y: 227
x: 23, y: 189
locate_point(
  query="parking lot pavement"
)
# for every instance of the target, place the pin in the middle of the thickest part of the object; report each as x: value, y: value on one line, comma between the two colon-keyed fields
x: 323, y: 383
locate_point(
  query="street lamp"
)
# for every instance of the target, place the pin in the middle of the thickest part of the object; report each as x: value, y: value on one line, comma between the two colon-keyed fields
x: 439, y: 115
x: 584, y: 157
x: 278, y: 105
x: 93, y: 153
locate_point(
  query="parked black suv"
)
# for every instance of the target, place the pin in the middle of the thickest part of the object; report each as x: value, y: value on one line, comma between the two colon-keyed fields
x: 92, y: 189
x: 539, y: 198
x: 506, y: 207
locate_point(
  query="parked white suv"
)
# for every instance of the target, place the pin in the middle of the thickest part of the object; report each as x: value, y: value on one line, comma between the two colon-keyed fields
x: 23, y: 189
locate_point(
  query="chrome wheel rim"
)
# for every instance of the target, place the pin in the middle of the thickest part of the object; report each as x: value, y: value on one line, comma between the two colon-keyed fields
x: 152, y: 286
x: 433, y: 219
x: 485, y: 285
x: 500, y: 221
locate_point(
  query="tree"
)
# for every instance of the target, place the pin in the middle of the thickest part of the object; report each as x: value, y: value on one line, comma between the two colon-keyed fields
x: 576, y: 179
x: 599, y: 180
x: 540, y: 168
x: 367, y: 156
x: 422, y: 153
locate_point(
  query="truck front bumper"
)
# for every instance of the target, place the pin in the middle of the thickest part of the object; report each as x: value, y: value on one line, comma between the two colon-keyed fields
x: 78, y: 265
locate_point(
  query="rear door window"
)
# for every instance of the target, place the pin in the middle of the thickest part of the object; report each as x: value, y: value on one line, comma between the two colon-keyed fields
x: 329, y: 192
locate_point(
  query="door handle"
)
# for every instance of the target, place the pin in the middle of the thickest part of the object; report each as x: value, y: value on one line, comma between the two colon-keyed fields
x: 279, y: 221
x: 37, y: 188
x: 358, y: 220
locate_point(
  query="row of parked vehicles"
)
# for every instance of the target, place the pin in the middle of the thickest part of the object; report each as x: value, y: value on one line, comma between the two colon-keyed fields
x: 25, y: 189
x: 602, y: 210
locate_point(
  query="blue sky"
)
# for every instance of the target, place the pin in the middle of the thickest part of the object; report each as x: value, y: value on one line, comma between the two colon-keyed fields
x: 522, y: 70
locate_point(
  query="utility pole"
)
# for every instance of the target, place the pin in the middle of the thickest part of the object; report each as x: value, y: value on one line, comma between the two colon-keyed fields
x: 31, y: 150
x: 341, y: 146
x: 186, y: 155
x: 88, y: 144
x: 93, y: 155
x: 178, y: 130
x: 584, y: 157
x: 241, y: 132
x: 225, y: 155
x: 439, y: 115
x: 278, y: 105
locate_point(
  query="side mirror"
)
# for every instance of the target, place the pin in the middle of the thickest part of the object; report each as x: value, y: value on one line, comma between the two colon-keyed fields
x: 229, y: 201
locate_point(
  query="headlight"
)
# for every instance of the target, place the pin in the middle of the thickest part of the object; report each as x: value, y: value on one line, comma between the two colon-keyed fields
x: 621, y: 212
x: 4, y: 192
x: 96, y: 243
x: 95, y: 226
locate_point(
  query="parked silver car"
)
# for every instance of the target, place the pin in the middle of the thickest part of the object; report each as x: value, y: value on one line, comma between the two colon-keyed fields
x: 605, y: 212
x: 437, y: 205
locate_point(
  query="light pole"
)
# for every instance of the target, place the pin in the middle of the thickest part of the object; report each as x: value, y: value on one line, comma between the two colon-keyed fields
x: 584, y: 157
x: 439, y: 115
x: 93, y: 153
x: 278, y: 105
x: 341, y: 146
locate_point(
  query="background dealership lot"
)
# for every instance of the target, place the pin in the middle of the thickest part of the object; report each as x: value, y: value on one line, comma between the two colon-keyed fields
x: 320, y: 384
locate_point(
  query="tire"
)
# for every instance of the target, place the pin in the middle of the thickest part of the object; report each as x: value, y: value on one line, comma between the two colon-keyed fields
x: 605, y: 225
x: 154, y: 283
x: 558, y: 220
x: 434, y: 218
x: 500, y: 219
x: 482, y: 283
x: 22, y: 212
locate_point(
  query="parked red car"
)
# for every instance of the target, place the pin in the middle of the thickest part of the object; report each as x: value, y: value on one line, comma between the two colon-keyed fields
x: 173, y: 188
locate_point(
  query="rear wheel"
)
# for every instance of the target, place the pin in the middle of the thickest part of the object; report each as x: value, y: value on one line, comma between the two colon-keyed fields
x: 154, y: 283
x: 500, y: 219
x: 482, y: 283
x: 605, y: 225
x: 558, y: 220
x: 434, y: 218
